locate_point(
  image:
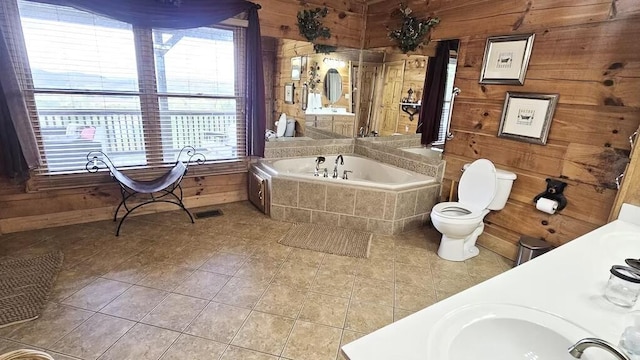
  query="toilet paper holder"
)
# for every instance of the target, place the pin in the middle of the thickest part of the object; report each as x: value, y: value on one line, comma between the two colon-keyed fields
x: 554, y: 192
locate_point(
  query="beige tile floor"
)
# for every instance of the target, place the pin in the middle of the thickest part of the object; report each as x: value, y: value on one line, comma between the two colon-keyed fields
x: 223, y: 288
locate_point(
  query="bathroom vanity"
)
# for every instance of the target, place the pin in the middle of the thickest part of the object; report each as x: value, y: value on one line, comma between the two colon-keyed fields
x: 557, y: 297
x: 341, y: 124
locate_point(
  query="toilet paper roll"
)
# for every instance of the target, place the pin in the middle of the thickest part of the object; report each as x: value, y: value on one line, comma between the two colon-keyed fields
x: 547, y: 205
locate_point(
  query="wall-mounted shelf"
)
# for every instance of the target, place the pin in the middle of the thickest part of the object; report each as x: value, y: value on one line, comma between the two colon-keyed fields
x: 410, y: 108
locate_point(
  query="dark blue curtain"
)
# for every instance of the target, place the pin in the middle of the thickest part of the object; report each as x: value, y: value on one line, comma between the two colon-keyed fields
x: 433, y: 94
x: 256, y: 110
x: 12, y: 161
x: 159, y: 14
x: 193, y: 14
x: 18, y: 146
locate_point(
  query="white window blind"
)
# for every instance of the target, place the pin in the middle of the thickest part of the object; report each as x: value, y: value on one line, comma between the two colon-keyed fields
x: 139, y: 95
x: 446, y: 106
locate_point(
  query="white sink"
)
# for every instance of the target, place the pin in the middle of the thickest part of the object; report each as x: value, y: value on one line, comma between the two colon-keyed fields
x: 504, y: 332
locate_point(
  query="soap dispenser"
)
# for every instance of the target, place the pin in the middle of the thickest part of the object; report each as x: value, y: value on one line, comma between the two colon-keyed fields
x: 630, y: 339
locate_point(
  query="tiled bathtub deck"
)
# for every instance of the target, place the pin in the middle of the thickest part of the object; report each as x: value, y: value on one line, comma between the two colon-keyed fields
x: 223, y: 288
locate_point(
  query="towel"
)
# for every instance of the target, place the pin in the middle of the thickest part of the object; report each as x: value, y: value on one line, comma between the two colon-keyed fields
x: 311, y: 98
x: 317, y: 101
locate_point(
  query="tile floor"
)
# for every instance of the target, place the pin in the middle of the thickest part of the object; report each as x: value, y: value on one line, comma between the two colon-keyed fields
x: 223, y: 288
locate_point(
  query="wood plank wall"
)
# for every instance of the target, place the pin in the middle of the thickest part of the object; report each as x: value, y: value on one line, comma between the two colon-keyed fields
x: 286, y: 49
x: 49, y: 208
x: 585, y: 50
x: 278, y: 18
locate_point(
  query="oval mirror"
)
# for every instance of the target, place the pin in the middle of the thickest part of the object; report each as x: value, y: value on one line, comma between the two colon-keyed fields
x: 333, y: 85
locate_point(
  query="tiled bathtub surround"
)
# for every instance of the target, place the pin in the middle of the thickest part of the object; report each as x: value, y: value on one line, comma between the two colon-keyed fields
x: 387, y: 150
x: 384, y: 149
x: 396, y: 141
x: 289, y: 149
x: 319, y: 134
x: 380, y: 212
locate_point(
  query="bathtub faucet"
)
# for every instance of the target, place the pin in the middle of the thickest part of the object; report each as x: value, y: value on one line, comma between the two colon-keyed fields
x: 335, y: 168
x: 319, y: 160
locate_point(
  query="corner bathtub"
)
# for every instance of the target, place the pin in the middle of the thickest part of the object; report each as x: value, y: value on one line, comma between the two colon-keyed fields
x: 366, y: 172
x: 377, y: 197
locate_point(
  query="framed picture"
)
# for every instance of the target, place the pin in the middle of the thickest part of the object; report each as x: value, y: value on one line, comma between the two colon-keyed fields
x: 296, y: 68
x: 527, y: 117
x: 289, y: 88
x: 506, y: 59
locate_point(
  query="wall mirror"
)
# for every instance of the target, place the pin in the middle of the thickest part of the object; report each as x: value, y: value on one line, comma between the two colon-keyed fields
x: 374, y: 82
x: 333, y: 85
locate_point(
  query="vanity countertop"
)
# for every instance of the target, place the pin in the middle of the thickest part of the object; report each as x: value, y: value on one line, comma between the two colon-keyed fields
x: 329, y: 111
x: 568, y: 281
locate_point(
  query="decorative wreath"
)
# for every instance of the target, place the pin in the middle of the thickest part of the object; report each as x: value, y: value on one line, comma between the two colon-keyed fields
x: 311, y: 27
x: 412, y: 32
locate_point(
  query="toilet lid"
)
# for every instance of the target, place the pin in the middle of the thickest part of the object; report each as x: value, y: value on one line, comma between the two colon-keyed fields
x: 478, y: 184
x: 281, y: 125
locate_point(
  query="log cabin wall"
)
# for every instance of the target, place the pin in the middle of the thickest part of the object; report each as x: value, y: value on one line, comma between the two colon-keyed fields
x: 586, y: 51
x: 286, y: 49
x: 279, y: 19
x: 22, y: 210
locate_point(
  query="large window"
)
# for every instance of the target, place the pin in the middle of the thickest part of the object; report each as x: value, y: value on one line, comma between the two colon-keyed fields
x: 139, y: 95
x: 448, y: 101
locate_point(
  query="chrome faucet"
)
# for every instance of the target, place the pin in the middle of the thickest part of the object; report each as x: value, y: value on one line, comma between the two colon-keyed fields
x: 319, y: 160
x: 335, y: 168
x: 578, y: 348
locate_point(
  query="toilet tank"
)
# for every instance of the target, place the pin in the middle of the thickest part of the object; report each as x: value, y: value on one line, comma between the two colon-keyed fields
x: 504, y: 184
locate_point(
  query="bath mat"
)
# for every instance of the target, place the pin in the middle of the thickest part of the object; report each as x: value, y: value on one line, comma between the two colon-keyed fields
x: 328, y: 239
x: 25, y: 285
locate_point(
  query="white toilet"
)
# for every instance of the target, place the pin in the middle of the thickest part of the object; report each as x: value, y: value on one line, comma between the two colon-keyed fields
x: 482, y: 188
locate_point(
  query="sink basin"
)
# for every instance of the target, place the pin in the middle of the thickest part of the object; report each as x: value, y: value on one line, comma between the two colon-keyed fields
x: 504, y: 332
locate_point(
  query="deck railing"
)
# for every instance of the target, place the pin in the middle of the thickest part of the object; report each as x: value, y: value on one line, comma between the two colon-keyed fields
x: 122, y: 131
x: 68, y: 135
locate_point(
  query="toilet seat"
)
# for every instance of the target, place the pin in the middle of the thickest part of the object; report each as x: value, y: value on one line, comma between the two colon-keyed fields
x: 476, y: 190
x: 456, y: 210
x: 281, y: 125
x: 478, y: 184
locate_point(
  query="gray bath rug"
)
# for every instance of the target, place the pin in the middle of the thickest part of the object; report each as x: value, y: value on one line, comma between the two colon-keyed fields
x: 25, y: 285
x: 328, y: 239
